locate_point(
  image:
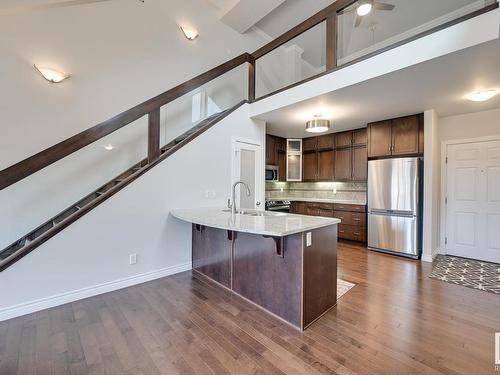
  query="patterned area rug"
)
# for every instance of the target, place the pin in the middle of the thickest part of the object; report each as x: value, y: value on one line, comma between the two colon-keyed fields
x: 343, y: 287
x: 467, y: 272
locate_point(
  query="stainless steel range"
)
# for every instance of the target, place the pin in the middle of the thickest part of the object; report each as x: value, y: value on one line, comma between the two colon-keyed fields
x: 278, y: 206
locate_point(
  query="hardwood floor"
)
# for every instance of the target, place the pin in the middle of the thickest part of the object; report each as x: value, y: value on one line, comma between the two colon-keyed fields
x: 394, y: 321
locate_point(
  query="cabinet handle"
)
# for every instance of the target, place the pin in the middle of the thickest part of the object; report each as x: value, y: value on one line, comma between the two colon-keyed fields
x: 341, y: 231
x: 357, y: 233
x: 357, y: 219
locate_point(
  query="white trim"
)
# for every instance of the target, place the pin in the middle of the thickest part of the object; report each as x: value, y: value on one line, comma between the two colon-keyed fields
x: 430, y: 257
x: 444, y: 179
x: 75, y: 295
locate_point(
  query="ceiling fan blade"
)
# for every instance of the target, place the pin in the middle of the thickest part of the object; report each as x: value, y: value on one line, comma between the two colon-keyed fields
x: 383, y: 6
x: 48, y: 5
x: 358, y: 20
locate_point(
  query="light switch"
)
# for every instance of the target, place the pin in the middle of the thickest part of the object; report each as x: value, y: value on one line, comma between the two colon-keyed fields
x: 308, y: 239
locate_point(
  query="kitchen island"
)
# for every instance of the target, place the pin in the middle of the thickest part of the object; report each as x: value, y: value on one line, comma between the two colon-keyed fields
x: 284, y: 263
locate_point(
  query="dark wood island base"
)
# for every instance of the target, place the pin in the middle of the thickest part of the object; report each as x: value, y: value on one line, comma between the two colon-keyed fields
x: 287, y: 276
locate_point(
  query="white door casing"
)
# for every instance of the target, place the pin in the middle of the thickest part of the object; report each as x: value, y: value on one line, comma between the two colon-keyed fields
x: 248, y: 166
x: 473, y: 200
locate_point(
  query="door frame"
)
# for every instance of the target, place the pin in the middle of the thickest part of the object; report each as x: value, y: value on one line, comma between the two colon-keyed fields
x: 259, y: 195
x: 444, y: 182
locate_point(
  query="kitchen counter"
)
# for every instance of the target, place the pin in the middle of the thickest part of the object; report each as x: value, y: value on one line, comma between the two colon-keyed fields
x: 318, y: 200
x: 284, y: 263
x: 266, y: 223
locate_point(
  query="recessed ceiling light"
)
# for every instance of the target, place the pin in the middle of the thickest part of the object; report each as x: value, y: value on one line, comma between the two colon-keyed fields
x: 364, y: 8
x: 318, y: 125
x: 482, y: 95
x: 51, y: 75
x: 109, y: 147
x: 189, y: 32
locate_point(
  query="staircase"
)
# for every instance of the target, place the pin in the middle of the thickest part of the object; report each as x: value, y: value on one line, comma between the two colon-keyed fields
x: 35, y: 238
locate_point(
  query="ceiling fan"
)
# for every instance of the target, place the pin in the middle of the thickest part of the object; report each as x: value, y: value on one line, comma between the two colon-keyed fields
x: 364, y: 7
x: 49, y: 5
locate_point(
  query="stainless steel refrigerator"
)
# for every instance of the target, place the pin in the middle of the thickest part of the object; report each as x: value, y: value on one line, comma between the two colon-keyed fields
x: 394, y: 206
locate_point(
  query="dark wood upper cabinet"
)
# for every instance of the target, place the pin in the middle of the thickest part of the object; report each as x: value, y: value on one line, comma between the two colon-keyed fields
x: 343, y: 139
x: 280, y: 144
x: 282, y: 166
x: 405, y: 136
x: 380, y: 139
x: 360, y: 164
x: 326, y: 141
x: 397, y: 137
x: 360, y: 137
x: 421, y: 134
x: 343, y: 164
x: 310, y: 166
x: 271, y: 150
x: 310, y: 144
x: 326, y: 164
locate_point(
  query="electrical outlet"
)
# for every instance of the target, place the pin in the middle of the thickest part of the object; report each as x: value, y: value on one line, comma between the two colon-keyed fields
x: 334, y: 191
x: 308, y: 239
x: 133, y: 259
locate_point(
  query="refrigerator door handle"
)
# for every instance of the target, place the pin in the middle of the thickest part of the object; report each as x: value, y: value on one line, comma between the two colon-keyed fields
x: 392, y: 213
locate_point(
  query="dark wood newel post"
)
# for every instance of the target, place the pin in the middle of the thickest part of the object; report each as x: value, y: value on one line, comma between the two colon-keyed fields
x: 251, y: 79
x: 331, y: 41
x: 153, y: 135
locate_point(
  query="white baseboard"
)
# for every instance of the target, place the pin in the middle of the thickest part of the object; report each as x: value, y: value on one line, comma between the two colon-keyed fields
x: 63, y: 298
x: 430, y: 257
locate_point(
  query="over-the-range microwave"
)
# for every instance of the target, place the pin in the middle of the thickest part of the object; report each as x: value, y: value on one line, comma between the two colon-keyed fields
x: 272, y: 173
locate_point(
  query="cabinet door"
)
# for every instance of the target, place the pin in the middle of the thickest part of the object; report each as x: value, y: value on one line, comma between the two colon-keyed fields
x: 282, y: 166
x: 360, y: 137
x: 310, y: 168
x: 343, y: 164
x: 325, y: 165
x: 359, y: 164
x: 343, y: 139
x: 309, y: 144
x: 298, y: 208
x: 211, y: 252
x: 379, y: 139
x: 280, y: 144
x: 270, y: 150
x: 326, y: 142
x: 405, y: 136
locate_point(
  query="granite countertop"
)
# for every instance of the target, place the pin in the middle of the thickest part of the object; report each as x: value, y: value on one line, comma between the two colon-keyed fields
x: 319, y: 200
x: 270, y: 223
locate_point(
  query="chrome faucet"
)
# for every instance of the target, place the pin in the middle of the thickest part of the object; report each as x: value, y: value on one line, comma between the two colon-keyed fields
x: 233, y: 193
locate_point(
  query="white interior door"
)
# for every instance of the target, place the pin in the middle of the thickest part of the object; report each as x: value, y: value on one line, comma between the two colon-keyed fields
x: 473, y: 195
x: 248, y: 167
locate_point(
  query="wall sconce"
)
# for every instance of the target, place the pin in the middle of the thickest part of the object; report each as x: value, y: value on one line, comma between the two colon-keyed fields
x: 189, y: 33
x: 51, y: 75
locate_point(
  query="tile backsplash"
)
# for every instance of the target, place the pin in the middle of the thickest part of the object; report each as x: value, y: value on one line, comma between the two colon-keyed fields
x: 342, y: 191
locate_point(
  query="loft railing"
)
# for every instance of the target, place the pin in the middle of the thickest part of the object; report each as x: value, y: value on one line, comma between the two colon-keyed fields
x: 330, y: 23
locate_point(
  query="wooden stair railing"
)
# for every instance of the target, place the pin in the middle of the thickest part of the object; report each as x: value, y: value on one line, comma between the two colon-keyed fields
x: 51, y: 227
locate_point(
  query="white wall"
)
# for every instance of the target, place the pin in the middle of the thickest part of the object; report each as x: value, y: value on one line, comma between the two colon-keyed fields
x: 431, y: 193
x: 119, y: 53
x: 92, y: 255
x: 470, y: 125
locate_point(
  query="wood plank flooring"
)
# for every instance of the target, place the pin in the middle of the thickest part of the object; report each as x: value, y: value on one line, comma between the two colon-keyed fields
x: 394, y: 321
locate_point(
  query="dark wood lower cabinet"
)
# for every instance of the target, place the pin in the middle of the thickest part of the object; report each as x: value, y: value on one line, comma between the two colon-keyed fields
x: 264, y: 278
x: 353, y: 217
x: 298, y: 283
x: 212, y: 253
